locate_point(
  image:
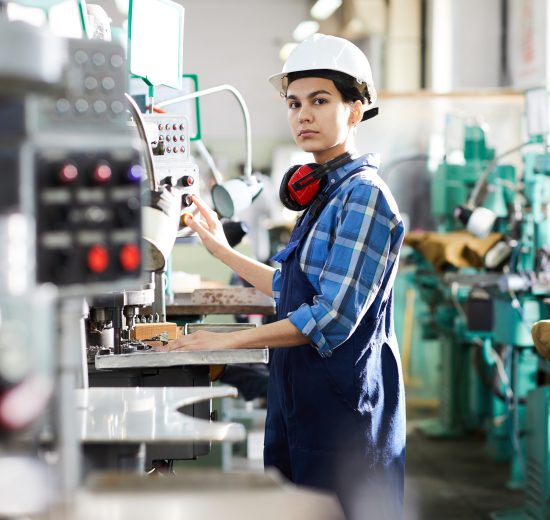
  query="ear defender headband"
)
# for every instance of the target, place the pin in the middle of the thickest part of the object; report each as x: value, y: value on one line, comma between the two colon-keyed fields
x: 301, y: 183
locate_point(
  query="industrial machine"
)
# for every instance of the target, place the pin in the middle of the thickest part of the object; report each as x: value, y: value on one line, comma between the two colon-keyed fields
x: 484, y: 275
x: 71, y: 222
x: 89, y: 212
x: 71, y: 219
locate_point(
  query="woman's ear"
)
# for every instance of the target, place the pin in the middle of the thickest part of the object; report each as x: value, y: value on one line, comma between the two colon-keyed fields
x: 356, y: 113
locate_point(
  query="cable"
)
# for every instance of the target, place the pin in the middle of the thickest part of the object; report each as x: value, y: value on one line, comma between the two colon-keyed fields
x: 205, y: 154
x: 392, y: 164
x: 473, y: 200
x: 516, y: 304
x: 501, y: 371
x: 244, y: 109
x: 136, y: 114
x: 458, y: 306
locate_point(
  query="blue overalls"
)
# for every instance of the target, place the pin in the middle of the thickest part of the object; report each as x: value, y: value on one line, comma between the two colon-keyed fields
x: 337, y: 423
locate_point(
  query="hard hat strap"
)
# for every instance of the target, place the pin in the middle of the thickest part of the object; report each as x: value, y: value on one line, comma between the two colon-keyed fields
x: 369, y: 114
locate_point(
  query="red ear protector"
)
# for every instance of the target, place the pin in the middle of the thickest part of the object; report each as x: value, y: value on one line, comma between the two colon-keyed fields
x: 293, y: 199
x: 302, y: 183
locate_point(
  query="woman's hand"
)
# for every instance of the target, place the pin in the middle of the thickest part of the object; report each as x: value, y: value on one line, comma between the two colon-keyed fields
x: 200, y: 340
x: 209, y: 228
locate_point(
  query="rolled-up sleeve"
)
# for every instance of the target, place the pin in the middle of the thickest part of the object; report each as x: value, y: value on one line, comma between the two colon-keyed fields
x: 276, y: 286
x: 361, y: 251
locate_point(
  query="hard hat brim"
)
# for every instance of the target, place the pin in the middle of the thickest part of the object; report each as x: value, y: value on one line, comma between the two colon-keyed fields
x: 277, y: 81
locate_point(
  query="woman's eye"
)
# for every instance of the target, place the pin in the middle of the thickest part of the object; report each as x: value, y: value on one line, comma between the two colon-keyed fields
x: 319, y: 101
x: 294, y: 104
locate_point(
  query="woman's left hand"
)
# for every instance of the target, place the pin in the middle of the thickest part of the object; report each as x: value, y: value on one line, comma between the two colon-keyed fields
x: 200, y: 340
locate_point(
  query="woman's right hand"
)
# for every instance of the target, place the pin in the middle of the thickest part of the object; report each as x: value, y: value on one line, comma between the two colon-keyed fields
x: 209, y: 228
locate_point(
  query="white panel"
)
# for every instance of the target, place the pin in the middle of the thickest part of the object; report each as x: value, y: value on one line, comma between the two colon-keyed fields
x: 238, y: 43
x: 528, y: 43
x: 476, y: 44
x: 403, y: 46
x: 464, y: 44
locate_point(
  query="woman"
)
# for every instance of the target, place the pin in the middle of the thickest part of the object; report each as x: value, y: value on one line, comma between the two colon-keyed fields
x: 336, y: 416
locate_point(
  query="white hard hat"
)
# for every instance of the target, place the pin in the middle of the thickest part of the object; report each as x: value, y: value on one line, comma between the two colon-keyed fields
x: 320, y: 51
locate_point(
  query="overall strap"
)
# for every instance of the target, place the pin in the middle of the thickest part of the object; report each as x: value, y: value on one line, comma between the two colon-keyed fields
x: 308, y: 218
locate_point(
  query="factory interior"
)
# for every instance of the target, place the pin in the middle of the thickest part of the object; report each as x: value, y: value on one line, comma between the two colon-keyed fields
x: 115, y: 115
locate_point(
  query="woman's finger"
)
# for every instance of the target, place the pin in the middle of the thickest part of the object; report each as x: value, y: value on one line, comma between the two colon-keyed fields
x: 205, y: 210
x: 202, y: 205
x: 198, y: 227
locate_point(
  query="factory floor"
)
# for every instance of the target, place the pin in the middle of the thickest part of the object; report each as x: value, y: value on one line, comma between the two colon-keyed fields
x: 453, y: 479
x: 446, y: 478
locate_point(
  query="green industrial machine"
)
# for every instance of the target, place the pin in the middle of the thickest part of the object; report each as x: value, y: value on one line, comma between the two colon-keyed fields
x: 537, y: 441
x: 464, y: 401
x: 537, y: 489
x: 531, y: 260
x: 482, y: 313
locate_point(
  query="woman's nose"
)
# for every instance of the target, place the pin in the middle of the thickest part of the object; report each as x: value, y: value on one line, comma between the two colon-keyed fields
x: 304, y: 115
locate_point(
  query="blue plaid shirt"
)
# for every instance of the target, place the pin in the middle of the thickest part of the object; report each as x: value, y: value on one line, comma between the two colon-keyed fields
x: 350, y: 257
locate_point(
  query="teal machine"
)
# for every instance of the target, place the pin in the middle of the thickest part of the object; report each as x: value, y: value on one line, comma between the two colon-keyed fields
x: 466, y: 356
x: 531, y: 261
x: 482, y: 315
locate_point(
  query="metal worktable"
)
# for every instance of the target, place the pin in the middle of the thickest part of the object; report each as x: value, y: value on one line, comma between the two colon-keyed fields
x: 149, y: 359
x: 188, y: 368
x: 225, y: 300
x: 150, y: 415
x: 200, y: 495
x: 127, y: 429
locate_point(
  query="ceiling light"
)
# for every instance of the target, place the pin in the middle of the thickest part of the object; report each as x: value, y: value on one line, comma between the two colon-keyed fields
x: 322, y: 9
x: 305, y: 29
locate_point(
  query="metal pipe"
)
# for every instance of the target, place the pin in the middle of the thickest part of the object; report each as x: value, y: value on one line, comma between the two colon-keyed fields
x: 244, y: 108
x: 136, y: 114
x: 117, y: 327
x: 68, y: 443
x: 205, y: 154
x: 159, y: 304
x: 476, y: 197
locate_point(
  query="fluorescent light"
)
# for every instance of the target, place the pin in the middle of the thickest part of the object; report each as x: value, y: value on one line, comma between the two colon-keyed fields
x: 322, y: 9
x: 305, y: 29
x: 286, y: 49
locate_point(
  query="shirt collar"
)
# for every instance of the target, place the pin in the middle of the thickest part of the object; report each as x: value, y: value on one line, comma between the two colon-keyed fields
x: 371, y: 160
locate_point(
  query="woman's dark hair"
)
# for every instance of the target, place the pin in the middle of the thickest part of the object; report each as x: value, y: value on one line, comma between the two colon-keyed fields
x: 345, y: 84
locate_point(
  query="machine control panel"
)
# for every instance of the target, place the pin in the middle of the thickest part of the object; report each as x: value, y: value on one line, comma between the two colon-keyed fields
x: 171, y: 158
x: 88, y: 211
x: 97, y: 76
x: 173, y: 132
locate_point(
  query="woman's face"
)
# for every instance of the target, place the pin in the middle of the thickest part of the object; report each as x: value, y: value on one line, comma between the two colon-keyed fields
x: 320, y: 121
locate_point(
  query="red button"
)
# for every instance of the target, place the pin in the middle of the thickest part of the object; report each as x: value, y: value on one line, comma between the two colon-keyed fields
x: 174, y: 127
x: 98, y: 259
x: 68, y: 173
x: 102, y: 173
x: 187, y: 180
x: 130, y: 257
